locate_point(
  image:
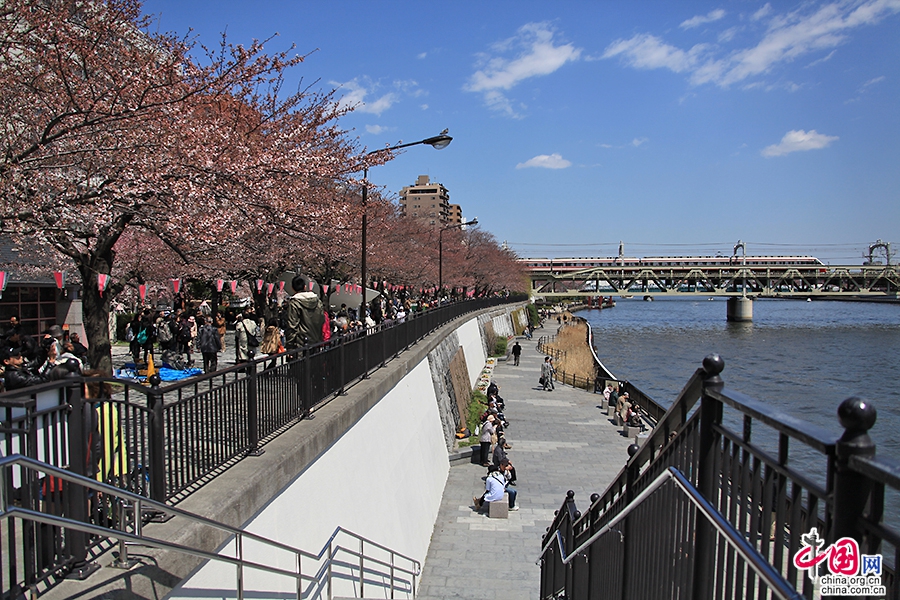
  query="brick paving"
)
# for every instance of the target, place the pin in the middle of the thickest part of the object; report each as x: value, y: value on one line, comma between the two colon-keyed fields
x: 560, y: 441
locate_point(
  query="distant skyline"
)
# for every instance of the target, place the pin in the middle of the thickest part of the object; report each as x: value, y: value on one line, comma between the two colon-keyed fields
x: 677, y: 128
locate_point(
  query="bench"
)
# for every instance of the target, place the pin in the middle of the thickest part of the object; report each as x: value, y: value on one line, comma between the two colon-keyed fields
x: 498, y: 509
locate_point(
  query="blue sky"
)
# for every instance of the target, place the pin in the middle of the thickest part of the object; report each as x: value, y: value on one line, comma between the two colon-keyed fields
x: 676, y: 127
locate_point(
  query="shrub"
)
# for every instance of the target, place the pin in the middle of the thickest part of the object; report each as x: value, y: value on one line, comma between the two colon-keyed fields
x: 500, y: 346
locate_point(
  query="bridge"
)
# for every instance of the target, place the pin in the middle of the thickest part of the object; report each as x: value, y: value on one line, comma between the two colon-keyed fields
x: 696, y: 279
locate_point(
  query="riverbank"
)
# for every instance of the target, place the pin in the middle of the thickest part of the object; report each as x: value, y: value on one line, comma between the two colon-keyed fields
x: 572, y: 354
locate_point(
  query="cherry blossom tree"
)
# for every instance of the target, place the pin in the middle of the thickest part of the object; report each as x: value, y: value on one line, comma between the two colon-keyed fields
x: 108, y: 127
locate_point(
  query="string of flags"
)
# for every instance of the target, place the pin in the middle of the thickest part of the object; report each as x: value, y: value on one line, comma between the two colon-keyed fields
x: 103, y: 281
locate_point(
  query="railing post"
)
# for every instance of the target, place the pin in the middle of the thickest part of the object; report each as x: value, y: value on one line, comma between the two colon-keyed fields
x: 569, y: 534
x: 157, y: 442
x: 631, y: 474
x: 852, y: 489
x: 707, y: 476
x: 253, y: 410
x: 76, y: 541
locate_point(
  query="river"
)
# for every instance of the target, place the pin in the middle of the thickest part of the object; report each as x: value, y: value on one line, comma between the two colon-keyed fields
x: 802, y: 357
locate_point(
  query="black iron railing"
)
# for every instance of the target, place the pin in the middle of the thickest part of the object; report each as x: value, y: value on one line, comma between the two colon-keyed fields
x: 772, y: 476
x: 164, y: 441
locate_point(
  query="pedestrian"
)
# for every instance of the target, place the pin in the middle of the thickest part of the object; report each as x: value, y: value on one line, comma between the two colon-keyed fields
x: 210, y: 345
x: 220, y: 326
x: 547, y: 374
x: 305, y: 315
x: 245, y: 331
x: 516, y: 352
x: 487, y: 431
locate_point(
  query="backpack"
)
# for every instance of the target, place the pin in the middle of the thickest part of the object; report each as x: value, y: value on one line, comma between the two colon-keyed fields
x: 142, y: 336
x: 129, y: 333
x: 252, y: 338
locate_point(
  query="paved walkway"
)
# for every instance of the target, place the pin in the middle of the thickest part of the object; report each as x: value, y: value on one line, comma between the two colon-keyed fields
x: 560, y: 441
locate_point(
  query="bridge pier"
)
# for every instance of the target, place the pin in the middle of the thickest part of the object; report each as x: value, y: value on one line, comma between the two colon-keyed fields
x: 740, y: 308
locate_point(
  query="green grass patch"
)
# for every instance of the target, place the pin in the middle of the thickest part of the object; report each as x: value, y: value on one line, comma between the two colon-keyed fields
x: 477, y: 405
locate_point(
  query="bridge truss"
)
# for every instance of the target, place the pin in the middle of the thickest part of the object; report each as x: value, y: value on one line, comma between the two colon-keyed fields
x: 736, y: 280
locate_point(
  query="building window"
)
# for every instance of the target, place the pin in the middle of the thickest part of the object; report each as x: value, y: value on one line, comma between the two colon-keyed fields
x: 34, y: 306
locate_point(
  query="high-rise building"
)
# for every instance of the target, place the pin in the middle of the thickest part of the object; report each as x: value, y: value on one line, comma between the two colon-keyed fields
x: 455, y: 215
x: 427, y: 200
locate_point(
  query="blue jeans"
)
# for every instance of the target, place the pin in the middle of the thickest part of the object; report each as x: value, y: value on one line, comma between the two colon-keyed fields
x: 512, y: 496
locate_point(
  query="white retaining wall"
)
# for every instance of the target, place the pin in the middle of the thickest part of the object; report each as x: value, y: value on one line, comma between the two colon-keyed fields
x: 383, y: 479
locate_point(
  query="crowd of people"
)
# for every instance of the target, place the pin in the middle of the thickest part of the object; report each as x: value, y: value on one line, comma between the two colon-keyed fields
x: 501, y: 474
x: 298, y: 320
x: 27, y: 360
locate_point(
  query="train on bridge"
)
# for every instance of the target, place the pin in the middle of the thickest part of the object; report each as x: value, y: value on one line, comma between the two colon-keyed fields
x: 559, y: 265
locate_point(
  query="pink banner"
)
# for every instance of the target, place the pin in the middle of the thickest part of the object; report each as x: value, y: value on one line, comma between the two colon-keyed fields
x: 176, y: 285
x: 325, y: 289
x: 60, y: 277
x: 220, y: 283
x: 233, y: 286
x: 270, y: 288
x: 102, y: 282
x: 281, y: 286
x: 3, y: 281
x: 259, y: 286
x: 311, y: 284
x: 142, y: 291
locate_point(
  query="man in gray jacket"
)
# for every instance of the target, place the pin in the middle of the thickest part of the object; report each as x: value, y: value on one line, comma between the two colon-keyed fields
x: 305, y: 315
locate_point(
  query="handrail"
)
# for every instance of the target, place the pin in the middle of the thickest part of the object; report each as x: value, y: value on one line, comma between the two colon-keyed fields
x: 7, y: 511
x: 757, y: 562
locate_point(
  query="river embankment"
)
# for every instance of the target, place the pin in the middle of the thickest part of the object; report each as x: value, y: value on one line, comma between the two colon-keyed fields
x: 571, y: 349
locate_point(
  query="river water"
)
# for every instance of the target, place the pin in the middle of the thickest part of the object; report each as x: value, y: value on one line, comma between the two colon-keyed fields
x: 802, y: 357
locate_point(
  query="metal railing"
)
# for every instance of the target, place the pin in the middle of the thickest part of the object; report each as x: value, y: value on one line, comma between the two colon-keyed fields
x: 771, y: 475
x: 651, y: 411
x: 315, y: 574
x: 164, y: 441
x: 657, y: 547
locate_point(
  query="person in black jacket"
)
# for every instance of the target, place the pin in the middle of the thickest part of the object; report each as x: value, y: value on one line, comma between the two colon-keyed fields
x: 16, y: 374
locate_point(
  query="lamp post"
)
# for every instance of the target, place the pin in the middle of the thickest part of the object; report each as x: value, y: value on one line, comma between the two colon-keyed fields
x: 438, y: 142
x: 441, y: 250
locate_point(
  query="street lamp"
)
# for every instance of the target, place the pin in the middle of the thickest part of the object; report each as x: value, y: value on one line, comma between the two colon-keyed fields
x: 441, y: 250
x: 438, y: 142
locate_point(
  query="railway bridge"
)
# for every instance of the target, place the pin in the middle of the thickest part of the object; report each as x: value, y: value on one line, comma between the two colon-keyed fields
x: 739, y: 278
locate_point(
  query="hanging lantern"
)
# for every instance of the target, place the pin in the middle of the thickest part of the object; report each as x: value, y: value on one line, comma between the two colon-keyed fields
x: 220, y: 283
x: 259, y: 286
x: 311, y: 284
x: 270, y: 289
x: 142, y: 291
x: 233, y: 286
x: 60, y: 277
x: 281, y: 286
x: 176, y: 285
x: 325, y: 289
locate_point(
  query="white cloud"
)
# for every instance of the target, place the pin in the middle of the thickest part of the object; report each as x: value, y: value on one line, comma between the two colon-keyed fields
x: 710, y: 17
x: 545, y: 161
x: 874, y: 81
x: 421, y: 55
x: 646, y: 51
x: 376, y: 129
x: 638, y: 141
x: 728, y: 34
x: 821, y: 60
x: 423, y: 106
x: 762, y: 12
x: 807, y: 30
x: 799, y: 140
x: 534, y: 55
x: 355, y: 96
